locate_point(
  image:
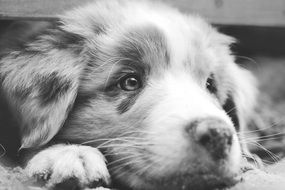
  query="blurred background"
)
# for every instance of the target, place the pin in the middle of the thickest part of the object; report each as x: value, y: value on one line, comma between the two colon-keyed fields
x: 258, y: 26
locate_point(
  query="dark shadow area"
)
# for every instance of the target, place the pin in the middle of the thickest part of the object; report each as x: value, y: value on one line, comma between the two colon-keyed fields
x: 257, y: 41
x: 9, y: 134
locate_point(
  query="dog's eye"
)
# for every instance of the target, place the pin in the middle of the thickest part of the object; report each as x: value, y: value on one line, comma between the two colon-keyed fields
x: 211, y: 85
x: 130, y: 83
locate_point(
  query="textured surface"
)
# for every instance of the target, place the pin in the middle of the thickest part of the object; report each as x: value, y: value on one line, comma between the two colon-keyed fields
x: 254, y: 12
x: 272, y: 178
x: 12, y: 179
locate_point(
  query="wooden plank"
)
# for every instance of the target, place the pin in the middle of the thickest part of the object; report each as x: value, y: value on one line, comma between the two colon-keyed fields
x: 36, y: 9
x: 237, y: 12
x: 234, y: 12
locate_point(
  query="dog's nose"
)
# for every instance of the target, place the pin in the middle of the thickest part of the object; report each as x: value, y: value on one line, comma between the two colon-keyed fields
x: 214, y: 135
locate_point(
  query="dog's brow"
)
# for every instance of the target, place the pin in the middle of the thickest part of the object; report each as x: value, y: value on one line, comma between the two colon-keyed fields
x: 145, y: 45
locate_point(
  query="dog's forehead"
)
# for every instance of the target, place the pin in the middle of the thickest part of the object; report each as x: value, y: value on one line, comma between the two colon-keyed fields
x: 161, y: 35
x: 159, y: 48
x: 146, y: 46
x: 153, y: 37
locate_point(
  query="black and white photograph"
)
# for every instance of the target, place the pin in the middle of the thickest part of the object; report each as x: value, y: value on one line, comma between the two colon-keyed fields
x: 142, y: 95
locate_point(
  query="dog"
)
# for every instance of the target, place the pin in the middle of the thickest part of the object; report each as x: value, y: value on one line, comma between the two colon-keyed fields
x: 130, y: 93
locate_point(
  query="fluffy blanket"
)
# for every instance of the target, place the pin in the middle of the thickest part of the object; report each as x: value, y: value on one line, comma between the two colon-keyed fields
x: 273, y: 178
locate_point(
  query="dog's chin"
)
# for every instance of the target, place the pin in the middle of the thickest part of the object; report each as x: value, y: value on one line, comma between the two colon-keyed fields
x: 198, y: 180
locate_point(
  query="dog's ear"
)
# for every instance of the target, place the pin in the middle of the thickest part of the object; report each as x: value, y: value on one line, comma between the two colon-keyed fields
x: 241, y: 85
x: 40, y: 80
x: 241, y: 99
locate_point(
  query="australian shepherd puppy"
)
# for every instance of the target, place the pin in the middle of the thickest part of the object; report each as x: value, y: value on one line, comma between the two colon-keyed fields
x: 129, y: 92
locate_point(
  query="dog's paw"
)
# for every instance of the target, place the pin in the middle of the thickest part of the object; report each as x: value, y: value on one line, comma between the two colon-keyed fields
x: 69, y: 167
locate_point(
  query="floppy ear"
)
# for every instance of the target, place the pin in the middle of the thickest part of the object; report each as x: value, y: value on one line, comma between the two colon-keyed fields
x: 241, y: 99
x: 245, y: 95
x: 40, y: 82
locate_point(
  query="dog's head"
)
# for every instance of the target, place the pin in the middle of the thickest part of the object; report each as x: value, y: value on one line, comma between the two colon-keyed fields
x: 157, y: 91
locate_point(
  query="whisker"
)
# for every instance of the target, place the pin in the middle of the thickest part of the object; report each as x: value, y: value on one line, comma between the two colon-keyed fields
x: 253, y: 62
x: 261, y: 130
x: 251, y: 157
x: 122, y: 159
x: 109, y: 74
x: 142, y: 170
x: 138, y: 145
x: 97, y: 140
x: 232, y: 109
x: 247, y: 58
x: 103, y: 145
x: 261, y: 140
x: 138, y: 132
x: 120, y: 136
x: 264, y: 162
x: 257, y: 130
x: 276, y: 135
x: 120, y: 166
x: 273, y: 156
x: 111, y: 139
x: 4, y: 150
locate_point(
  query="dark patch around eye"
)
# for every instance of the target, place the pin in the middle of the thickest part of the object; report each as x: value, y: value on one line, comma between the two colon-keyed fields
x: 52, y: 87
x: 145, y: 46
x: 127, y: 103
x: 132, y: 53
x: 110, y: 87
x: 112, y: 93
x: 109, y: 90
x: 211, y: 84
x: 231, y: 110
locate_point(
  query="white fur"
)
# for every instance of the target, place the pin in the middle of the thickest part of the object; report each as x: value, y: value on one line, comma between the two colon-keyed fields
x: 180, y: 101
x: 62, y: 162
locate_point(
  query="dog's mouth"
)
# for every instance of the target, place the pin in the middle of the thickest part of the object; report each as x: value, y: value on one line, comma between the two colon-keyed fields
x: 212, y: 178
x: 180, y: 182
